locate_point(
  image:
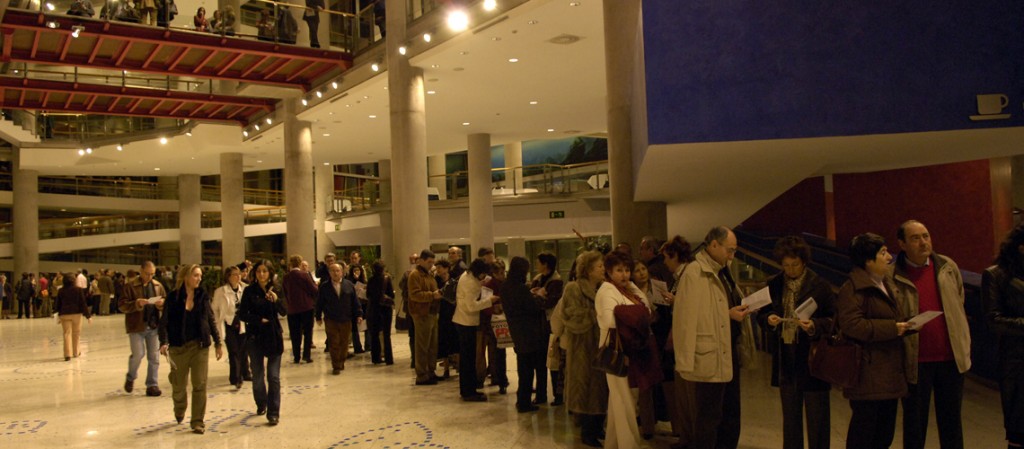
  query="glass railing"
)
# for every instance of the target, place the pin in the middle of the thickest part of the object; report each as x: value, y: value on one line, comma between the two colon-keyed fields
x: 137, y: 254
x: 249, y: 195
x: 539, y: 178
x: 120, y: 188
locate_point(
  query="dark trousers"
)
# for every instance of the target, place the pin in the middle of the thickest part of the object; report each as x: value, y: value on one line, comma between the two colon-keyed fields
x: 314, y: 26
x: 717, y: 423
x: 872, y: 425
x: 266, y: 365
x: 947, y: 382
x: 467, y: 360
x: 794, y: 400
x: 357, y: 346
x: 23, y: 307
x: 300, y: 329
x: 379, y: 328
x: 591, y: 427
x: 412, y: 340
x: 496, y: 361
x: 238, y: 358
x: 529, y: 365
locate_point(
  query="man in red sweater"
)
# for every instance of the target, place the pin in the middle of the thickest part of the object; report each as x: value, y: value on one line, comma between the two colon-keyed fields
x: 300, y: 295
x: 939, y: 354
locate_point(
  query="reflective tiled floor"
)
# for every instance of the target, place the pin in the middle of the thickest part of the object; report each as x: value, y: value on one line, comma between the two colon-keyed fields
x: 47, y: 402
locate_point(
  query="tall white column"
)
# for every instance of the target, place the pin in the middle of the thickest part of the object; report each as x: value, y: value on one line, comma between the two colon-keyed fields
x: 514, y: 158
x: 232, y: 209
x: 298, y: 183
x: 25, y: 214
x: 190, y: 221
x: 623, y: 56
x: 324, y: 204
x: 481, y: 213
x: 517, y: 247
x: 387, y: 229
x: 410, y: 217
x: 436, y: 168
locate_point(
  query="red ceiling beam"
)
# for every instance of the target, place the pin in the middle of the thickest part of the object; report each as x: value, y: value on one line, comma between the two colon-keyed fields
x: 176, y: 59
x: 81, y: 110
x: 92, y: 99
x: 46, y: 97
x: 245, y: 74
x: 95, y: 49
x: 300, y: 71
x: 203, y: 61
x: 124, y: 52
x: 152, y: 55
x: 229, y: 63
x: 134, y: 104
x: 67, y: 103
x: 65, y: 46
x: 8, y: 43
x: 158, y: 104
x: 35, y: 42
x: 134, y: 92
x: 175, y: 109
x: 276, y: 67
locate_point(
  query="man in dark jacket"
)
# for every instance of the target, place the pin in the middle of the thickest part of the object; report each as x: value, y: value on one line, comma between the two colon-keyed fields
x: 141, y: 320
x: 528, y: 326
x: 337, y: 305
x: 300, y: 294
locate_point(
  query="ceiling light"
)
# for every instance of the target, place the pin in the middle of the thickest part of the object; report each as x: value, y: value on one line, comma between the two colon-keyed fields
x: 334, y: 84
x: 327, y: 134
x: 245, y: 133
x: 259, y: 161
x: 490, y: 5
x: 458, y: 20
x: 574, y: 3
x: 88, y: 151
x: 495, y: 38
x: 551, y: 130
x: 50, y: 6
x: 327, y: 163
x: 270, y: 121
x: 120, y: 147
x: 76, y: 30
x: 52, y: 24
x: 435, y: 66
x: 426, y: 37
x: 513, y: 60
x: 465, y: 123
x: 81, y: 152
x: 256, y: 126
x: 533, y: 102
x: 402, y: 50
x: 319, y: 94
x: 188, y: 133
x: 431, y: 92
x: 463, y: 53
x: 305, y: 102
x: 375, y: 67
x: 373, y: 116
x: 156, y: 169
x: 532, y: 22
x: 163, y: 141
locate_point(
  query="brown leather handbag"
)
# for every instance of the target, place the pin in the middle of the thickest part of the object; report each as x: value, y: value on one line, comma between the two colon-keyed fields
x: 836, y: 359
x: 611, y: 358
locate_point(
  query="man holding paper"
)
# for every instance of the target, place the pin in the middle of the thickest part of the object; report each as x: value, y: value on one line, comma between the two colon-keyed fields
x: 940, y: 352
x: 800, y: 311
x: 141, y: 302
x: 705, y: 330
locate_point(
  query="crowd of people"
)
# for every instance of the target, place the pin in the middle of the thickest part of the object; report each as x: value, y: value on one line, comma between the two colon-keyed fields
x: 675, y: 314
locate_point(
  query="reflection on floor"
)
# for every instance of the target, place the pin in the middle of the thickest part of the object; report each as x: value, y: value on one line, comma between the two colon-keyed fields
x: 47, y: 402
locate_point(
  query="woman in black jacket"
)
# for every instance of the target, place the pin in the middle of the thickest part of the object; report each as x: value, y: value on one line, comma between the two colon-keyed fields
x: 186, y: 326
x: 379, y: 312
x: 1003, y: 287
x: 528, y: 325
x: 71, y: 305
x: 790, y: 340
x: 260, y: 309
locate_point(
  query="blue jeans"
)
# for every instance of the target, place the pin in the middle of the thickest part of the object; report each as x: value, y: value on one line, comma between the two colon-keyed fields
x: 145, y: 343
x: 266, y: 392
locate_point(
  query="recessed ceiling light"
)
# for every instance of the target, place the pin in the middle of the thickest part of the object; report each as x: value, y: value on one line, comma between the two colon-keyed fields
x: 327, y: 163
x: 120, y: 148
x: 402, y: 50
x: 88, y: 151
x: 156, y: 169
x: 426, y: 37
x: 50, y: 6
x: 574, y: 3
x: 327, y: 134
x: 533, y: 102
x: 458, y: 20
x: 463, y: 53
x: 188, y: 133
x: 366, y: 97
x: 256, y: 126
x: 163, y: 141
x: 431, y: 92
x: 334, y: 84
x: 245, y: 133
x: 259, y: 162
x: 375, y: 67
x: 373, y: 116
x: 495, y: 39
x: 513, y: 59
x: 270, y: 121
x: 532, y: 22
x: 319, y: 94
x: 465, y: 123
x: 81, y: 152
x: 435, y: 66
x: 489, y: 5
x: 330, y: 113
x: 551, y: 130
x: 305, y: 102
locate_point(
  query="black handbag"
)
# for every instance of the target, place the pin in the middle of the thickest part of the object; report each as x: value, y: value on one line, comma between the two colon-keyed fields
x: 611, y: 358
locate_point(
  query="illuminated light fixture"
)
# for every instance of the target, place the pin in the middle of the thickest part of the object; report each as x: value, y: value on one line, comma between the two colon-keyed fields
x: 533, y: 102
x: 156, y: 169
x: 431, y: 92
x: 327, y: 163
x: 513, y: 60
x: 88, y: 151
x: 334, y: 84
x: 551, y: 130
x: 77, y: 31
x: 458, y: 20
x: 120, y: 147
x: 52, y: 24
x: 163, y: 141
x: 427, y: 37
x: 270, y: 121
x: 319, y: 94
x: 50, y: 6
x: 305, y: 102
x: 15, y: 71
x: 327, y: 134
x: 245, y: 133
x: 574, y: 3
x: 375, y: 67
x: 402, y: 50
x: 490, y: 5
x: 256, y: 126
x: 81, y: 152
x: 373, y: 116
x: 188, y: 133
x: 465, y: 123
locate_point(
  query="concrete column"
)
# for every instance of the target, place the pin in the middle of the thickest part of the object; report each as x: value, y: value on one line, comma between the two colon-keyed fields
x: 232, y: 209
x: 190, y: 221
x: 436, y: 169
x: 387, y: 238
x: 481, y: 211
x: 324, y: 204
x: 514, y: 158
x: 623, y: 59
x: 384, y: 173
x: 25, y: 214
x: 298, y: 182
x: 410, y: 217
x: 517, y: 247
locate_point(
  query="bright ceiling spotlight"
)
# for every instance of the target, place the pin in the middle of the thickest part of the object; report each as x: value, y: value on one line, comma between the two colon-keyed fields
x: 256, y: 126
x: 163, y: 141
x: 52, y: 24
x: 50, y: 6
x: 120, y: 147
x: 270, y: 121
x: 490, y: 5
x: 77, y: 31
x: 81, y: 152
x: 334, y: 84
x: 402, y: 50
x: 375, y: 67
x: 188, y: 133
x: 88, y: 151
x: 319, y: 94
x: 458, y: 20
x: 427, y: 37
x: 245, y: 133
x: 305, y: 102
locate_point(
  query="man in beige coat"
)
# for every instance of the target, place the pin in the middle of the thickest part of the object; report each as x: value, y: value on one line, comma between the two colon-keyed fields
x: 705, y: 328
x: 939, y: 354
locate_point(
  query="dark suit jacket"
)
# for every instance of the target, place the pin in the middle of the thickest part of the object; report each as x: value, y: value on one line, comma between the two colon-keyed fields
x: 342, y: 309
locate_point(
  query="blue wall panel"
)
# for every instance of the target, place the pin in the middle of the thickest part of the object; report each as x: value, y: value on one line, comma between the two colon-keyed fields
x: 724, y: 70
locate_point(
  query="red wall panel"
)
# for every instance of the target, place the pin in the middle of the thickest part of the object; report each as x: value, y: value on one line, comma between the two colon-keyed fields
x: 799, y: 209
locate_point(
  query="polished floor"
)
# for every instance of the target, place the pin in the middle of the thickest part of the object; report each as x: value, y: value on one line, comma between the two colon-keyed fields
x: 47, y: 402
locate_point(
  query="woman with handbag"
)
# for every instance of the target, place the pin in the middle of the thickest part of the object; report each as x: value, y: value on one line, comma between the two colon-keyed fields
x: 1003, y: 292
x: 260, y: 309
x: 789, y: 342
x: 586, y: 389
x: 615, y: 294
x: 867, y: 313
x: 380, y: 310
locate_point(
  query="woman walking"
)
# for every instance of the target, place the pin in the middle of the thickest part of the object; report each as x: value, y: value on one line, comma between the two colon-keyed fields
x: 260, y: 309
x: 71, y: 305
x: 226, y: 300
x: 186, y: 326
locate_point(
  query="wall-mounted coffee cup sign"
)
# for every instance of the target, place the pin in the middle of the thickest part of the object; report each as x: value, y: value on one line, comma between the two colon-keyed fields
x: 990, y: 107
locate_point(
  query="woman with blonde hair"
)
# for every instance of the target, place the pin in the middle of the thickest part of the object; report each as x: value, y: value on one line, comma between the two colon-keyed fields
x: 186, y: 325
x: 586, y: 389
x: 226, y: 300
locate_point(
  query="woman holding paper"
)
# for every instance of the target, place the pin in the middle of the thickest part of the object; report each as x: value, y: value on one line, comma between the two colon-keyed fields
x: 867, y: 312
x: 800, y: 312
x: 260, y: 309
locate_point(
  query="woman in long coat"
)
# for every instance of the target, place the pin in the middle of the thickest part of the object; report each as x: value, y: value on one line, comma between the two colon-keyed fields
x: 1003, y: 287
x: 586, y: 389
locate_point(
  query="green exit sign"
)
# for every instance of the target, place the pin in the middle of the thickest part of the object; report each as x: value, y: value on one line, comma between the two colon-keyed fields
x: 556, y: 214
